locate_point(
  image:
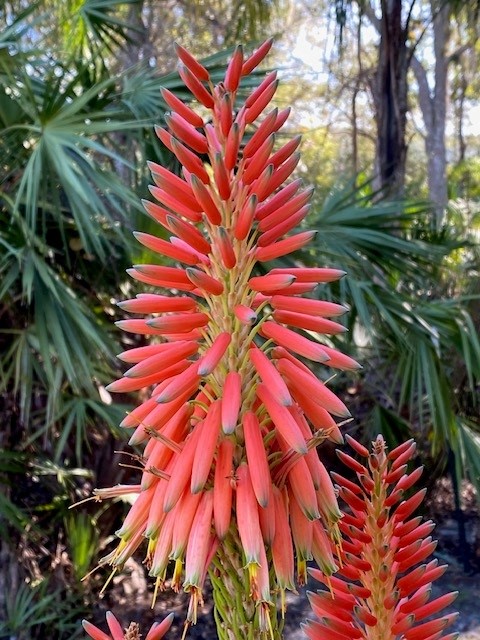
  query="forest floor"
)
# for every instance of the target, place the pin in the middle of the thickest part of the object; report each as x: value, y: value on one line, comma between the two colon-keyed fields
x: 130, y: 598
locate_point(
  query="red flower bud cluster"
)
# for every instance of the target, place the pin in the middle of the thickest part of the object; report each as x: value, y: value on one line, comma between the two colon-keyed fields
x: 157, y: 630
x: 384, y: 583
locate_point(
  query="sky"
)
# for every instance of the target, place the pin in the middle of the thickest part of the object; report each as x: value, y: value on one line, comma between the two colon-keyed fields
x: 311, y: 56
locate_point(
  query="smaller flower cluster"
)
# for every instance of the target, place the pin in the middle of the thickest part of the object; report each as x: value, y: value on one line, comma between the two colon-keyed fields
x: 382, y: 591
x: 157, y: 630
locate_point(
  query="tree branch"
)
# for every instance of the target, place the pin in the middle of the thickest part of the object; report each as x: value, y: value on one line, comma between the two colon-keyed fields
x: 424, y: 97
x: 369, y: 11
x: 458, y: 52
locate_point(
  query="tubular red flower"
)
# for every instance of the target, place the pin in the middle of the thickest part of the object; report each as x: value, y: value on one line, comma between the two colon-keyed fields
x: 257, y: 458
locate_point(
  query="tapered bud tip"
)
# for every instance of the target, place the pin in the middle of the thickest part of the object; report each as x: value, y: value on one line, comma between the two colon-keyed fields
x: 135, y: 439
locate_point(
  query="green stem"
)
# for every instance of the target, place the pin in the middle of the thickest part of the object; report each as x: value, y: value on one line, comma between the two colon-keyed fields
x: 236, y: 613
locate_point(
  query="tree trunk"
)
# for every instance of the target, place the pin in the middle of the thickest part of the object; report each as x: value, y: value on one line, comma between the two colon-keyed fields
x: 459, y: 101
x: 433, y: 104
x: 390, y: 98
x: 355, y: 131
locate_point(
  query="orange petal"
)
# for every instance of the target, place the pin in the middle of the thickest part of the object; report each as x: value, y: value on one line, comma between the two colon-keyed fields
x: 258, y: 161
x: 234, y: 70
x: 269, y: 282
x: 190, y: 234
x: 282, y: 547
x: 301, y: 483
x: 222, y: 488
x: 308, y: 322
x: 154, y: 303
x: 269, y: 237
x: 185, y: 514
x: 214, y: 354
x: 231, y: 400
x: 202, y: 462
x: 315, y: 274
x: 180, y: 384
x: 299, y: 379
x: 232, y: 146
x: 180, y: 107
x: 189, y: 160
x: 257, y: 56
x: 264, y: 130
x: 196, y: 87
x: 226, y: 248
x: 293, y: 341
x: 257, y: 458
x: 179, y: 322
x: 221, y: 177
x: 282, y: 420
x: 187, y: 134
x: 114, y: 626
x: 278, y: 200
x: 284, y: 247
x: 204, y: 281
x: 286, y: 151
x: 270, y: 376
x: 245, y: 218
x: 182, y: 470
x: 258, y: 101
x: 245, y: 314
x: 94, y: 632
x: 165, y: 248
x: 247, y: 517
x: 282, y: 213
x: 192, y: 63
x: 205, y: 200
x: 159, y: 629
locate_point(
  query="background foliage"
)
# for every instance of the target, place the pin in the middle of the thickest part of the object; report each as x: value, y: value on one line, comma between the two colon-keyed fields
x: 79, y: 94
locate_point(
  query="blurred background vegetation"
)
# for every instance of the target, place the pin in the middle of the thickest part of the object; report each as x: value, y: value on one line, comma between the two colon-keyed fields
x: 386, y: 97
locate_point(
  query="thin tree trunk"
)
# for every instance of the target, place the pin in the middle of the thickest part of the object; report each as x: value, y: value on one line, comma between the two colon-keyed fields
x: 390, y: 97
x: 433, y: 104
x: 462, y: 145
x: 354, y: 131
